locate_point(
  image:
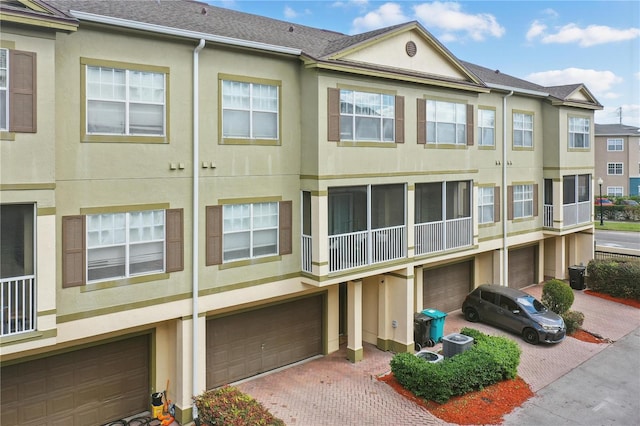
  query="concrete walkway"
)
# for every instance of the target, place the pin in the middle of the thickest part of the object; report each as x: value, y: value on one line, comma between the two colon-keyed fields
x: 333, y: 391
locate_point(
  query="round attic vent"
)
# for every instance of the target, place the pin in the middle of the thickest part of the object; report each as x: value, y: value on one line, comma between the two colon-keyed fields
x: 411, y: 48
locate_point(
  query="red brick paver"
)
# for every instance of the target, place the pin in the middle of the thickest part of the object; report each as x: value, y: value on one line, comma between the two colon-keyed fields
x: 333, y: 391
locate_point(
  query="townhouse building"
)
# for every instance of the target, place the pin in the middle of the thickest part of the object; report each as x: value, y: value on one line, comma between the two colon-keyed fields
x: 617, y: 159
x: 197, y: 195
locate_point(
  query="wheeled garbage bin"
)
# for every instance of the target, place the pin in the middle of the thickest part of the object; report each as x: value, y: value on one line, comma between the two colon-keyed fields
x: 422, y: 331
x: 576, y: 277
x: 437, y: 323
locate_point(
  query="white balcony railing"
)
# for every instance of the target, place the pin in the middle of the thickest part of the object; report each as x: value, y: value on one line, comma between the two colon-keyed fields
x: 573, y: 214
x: 18, y: 301
x: 433, y: 237
x: 548, y: 216
x: 306, y: 253
x: 362, y: 248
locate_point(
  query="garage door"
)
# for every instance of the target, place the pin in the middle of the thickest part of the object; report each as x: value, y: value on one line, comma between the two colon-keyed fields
x: 249, y: 343
x: 446, y: 287
x: 90, y: 386
x: 522, y: 267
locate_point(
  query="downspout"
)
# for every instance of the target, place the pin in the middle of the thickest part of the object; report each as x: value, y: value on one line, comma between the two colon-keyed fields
x: 505, y: 209
x: 195, y: 221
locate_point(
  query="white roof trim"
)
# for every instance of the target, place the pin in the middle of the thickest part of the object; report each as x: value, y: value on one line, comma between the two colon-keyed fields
x: 91, y: 17
x: 517, y: 90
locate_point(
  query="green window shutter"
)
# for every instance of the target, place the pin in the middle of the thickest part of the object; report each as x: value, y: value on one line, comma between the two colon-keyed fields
x: 510, y: 202
x: 470, y: 125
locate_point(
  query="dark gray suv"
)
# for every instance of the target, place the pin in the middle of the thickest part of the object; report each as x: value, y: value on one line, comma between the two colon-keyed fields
x: 516, y: 311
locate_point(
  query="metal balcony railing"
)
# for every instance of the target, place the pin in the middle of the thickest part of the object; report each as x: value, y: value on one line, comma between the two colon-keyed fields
x: 433, y: 237
x: 306, y: 253
x: 548, y: 216
x: 355, y: 249
x: 18, y: 301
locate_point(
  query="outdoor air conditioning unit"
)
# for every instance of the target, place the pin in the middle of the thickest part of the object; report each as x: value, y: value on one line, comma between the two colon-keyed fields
x: 455, y: 343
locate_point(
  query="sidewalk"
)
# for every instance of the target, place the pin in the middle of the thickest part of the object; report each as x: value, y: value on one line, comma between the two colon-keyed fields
x: 331, y: 390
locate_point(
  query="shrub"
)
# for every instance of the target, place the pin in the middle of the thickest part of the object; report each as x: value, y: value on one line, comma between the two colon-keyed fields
x: 490, y: 360
x: 557, y: 296
x: 573, y: 320
x: 614, y: 277
x: 229, y: 406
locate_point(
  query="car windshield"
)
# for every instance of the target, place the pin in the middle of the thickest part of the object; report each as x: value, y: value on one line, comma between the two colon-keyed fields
x: 532, y: 305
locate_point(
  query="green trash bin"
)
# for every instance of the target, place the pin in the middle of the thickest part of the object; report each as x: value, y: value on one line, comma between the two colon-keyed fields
x: 437, y: 323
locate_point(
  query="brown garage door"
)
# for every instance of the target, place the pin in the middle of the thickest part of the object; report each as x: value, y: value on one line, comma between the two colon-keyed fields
x: 249, y: 343
x: 445, y: 288
x: 89, y: 386
x: 522, y: 267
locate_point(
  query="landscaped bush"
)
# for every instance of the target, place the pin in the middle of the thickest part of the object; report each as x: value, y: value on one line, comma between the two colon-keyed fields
x: 490, y: 360
x: 229, y: 406
x: 573, y: 320
x: 557, y: 296
x: 616, y: 278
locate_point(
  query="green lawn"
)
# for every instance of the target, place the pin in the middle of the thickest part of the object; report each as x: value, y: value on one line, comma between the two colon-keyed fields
x: 610, y: 225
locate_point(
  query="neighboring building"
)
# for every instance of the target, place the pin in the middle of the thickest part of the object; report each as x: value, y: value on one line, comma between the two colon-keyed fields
x: 305, y: 185
x: 617, y: 153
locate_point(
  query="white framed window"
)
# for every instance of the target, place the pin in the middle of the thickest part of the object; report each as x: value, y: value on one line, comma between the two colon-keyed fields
x: 615, y: 169
x: 615, y: 144
x: 249, y: 230
x: 250, y: 110
x: 615, y: 191
x: 522, y: 130
x: 579, y: 132
x: 446, y: 123
x: 125, y: 102
x: 485, y: 204
x: 522, y: 201
x: 487, y: 127
x: 4, y: 93
x: 367, y: 116
x: 122, y: 245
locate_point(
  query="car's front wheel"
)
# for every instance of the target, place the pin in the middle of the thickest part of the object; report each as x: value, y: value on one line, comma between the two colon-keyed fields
x: 530, y: 336
x: 471, y: 315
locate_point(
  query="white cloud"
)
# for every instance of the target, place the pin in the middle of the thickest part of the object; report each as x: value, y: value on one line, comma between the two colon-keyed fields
x: 600, y: 83
x: 536, y: 29
x: 289, y: 12
x: 612, y: 115
x: 450, y: 18
x: 350, y: 3
x: 550, y: 13
x: 386, y: 15
x: 586, y: 37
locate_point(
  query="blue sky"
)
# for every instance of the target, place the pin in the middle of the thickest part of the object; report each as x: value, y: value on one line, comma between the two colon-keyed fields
x: 547, y: 42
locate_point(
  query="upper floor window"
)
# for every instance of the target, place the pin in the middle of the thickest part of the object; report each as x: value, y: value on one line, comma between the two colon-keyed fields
x: 250, y: 110
x: 486, y: 207
x: 576, y: 189
x: 125, y: 102
x: 615, y: 145
x: 250, y: 230
x: 522, y: 130
x: 17, y: 91
x: 487, y: 127
x: 522, y: 201
x: 615, y: 169
x: 367, y: 116
x: 121, y: 245
x: 579, y: 132
x: 364, y: 116
x: 446, y: 123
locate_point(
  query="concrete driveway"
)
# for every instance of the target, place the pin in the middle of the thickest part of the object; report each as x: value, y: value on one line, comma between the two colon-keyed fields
x: 331, y: 390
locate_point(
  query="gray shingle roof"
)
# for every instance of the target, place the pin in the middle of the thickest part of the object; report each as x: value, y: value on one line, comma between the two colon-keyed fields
x: 316, y: 43
x: 616, y: 130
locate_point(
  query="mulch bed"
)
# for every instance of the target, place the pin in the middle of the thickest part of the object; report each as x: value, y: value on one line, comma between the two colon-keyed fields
x: 628, y: 302
x: 483, y: 407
